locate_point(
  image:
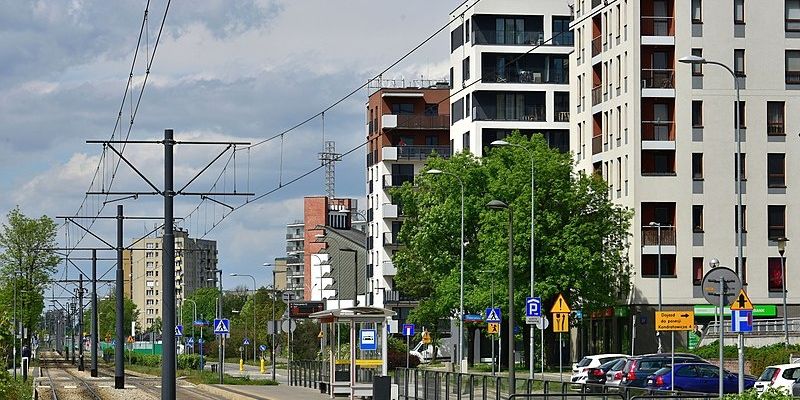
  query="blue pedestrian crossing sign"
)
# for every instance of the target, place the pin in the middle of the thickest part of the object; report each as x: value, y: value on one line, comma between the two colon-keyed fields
x: 178, y: 330
x: 408, y: 329
x: 190, y: 341
x: 262, y: 348
x: 741, y: 320
x: 222, y: 327
x: 533, y: 307
x: 493, y: 315
x: 246, y: 342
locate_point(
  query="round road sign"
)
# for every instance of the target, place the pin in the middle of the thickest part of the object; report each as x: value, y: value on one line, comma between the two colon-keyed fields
x: 543, y: 323
x: 711, y: 285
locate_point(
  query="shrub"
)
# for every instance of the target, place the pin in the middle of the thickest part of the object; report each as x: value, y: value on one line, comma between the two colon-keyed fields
x: 398, y: 359
x: 188, y: 361
x: 148, y: 360
x: 751, y: 394
x: 12, y: 389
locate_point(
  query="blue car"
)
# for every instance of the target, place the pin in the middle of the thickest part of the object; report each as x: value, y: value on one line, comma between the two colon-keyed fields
x: 696, y: 377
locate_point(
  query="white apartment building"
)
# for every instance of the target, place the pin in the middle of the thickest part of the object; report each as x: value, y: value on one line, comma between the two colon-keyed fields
x: 661, y: 133
x: 195, y: 261
x: 509, y: 70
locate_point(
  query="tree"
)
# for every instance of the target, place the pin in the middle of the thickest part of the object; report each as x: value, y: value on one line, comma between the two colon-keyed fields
x: 27, y: 261
x: 107, y: 316
x: 581, y: 237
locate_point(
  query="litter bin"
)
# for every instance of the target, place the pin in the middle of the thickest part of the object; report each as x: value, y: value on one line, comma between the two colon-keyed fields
x: 382, y: 387
x: 213, y: 367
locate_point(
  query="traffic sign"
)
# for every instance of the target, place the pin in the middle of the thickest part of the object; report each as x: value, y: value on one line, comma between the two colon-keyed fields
x: 201, y: 341
x: 741, y: 320
x: 742, y: 302
x: 178, y: 330
x: 560, y: 305
x: 130, y: 339
x: 560, y: 322
x: 543, y: 323
x: 674, y: 320
x: 222, y: 326
x: 493, y: 315
x: 190, y: 341
x: 262, y: 347
x: 408, y: 329
x: 368, y: 339
x: 426, y: 337
x: 711, y: 282
x: 289, y: 325
x: 246, y: 342
x: 493, y: 328
x: 200, y: 322
x: 533, y: 307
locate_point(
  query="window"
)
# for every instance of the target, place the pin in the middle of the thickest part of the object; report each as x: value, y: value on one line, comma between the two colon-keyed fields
x: 775, y: 118
x: 736, y: 218
x: 650, y: 265
x: 697, y: 218
x: 697, y: 113
x: 150, y: 245
x: 457, y: 110
x: 697, y: 271
x: 697, y: 68
x: 467, y: 105
x: 431, y: 109
x: 465, y: 65
x: 776, y: 170
x: 697, y: 11
x: 465, y: 141
x: 402, y: 108
x: 697, y: 166
x: 452, y: 77
x: 742, y: 166
x: 774, y: 275
x: 792, y: 15
x: 466, y: 31
x: 742, y: 114
x: 738, y: 11
x: 793, y: 66
x: 738, y: 62
x: 431, y: 140
x: 456, y: 38
x: 562, y: 35
x: 776, y: 222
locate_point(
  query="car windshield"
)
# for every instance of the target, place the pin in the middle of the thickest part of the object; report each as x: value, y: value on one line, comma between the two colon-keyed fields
x: 585, y: 362
x: 651, y: 365
x: 767, y: 375
x: 608, y: 365
x: 619, y: 364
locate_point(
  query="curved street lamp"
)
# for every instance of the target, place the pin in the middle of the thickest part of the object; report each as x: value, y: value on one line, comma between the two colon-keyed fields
x: 499, y: 205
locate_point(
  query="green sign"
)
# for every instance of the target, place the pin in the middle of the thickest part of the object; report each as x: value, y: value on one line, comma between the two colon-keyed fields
x: 762, y: 310
x: 694, y: 340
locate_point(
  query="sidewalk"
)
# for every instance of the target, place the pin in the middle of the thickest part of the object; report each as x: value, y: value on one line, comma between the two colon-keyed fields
x: 280, y: 392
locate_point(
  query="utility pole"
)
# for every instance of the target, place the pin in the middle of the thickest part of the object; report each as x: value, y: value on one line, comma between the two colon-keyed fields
x: 119, y: 344
x: 80, y: 323
x: 94, y: 314
x: 168, y: 271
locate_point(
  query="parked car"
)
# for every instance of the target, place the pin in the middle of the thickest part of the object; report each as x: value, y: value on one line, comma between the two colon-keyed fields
x: 614, y: 374
x: 637, y: 369
x: 596, y: 377
x: 579, y: 368
x: 780, y: 377
x: 698, y: 378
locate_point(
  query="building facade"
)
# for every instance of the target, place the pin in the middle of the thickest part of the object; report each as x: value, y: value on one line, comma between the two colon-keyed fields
x: 195, y: 263
x: 509, y: 70
x: 405, y: 126
x: 661, y: 133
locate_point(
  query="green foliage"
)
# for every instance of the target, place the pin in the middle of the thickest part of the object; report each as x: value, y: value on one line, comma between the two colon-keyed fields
x: 751, y: 394
x: 305, y: 345
x: 188, y: 361
x: 27, y: 261
x: 149, y: 360
x: 107, y: 316
x: 11, y: 389
x: 759, y: 357
x: 396, y: 344
x: 580, y: 236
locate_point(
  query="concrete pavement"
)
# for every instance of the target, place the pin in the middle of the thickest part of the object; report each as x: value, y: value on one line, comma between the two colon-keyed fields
x: 279, y: 392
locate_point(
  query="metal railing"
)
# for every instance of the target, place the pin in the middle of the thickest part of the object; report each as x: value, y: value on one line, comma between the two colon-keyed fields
x: 793, y: 77
x: 597, y: 46
x: 412, y: 121
x: 658, y: 78
x: 395, y: 296
x: 562, y: 116
x: 658, y: 130
x: 507, y: 37
x: 597, y: 144
x: 529, y: 113
x: 650, y: 235
x: 597, y: 95
x: 528, y: 76
x: 776, y: 128
x: 657, y: 26
x: 422, y: 152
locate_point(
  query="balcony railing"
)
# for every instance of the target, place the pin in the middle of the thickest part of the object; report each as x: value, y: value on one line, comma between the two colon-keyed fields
x: 597, y: 45
x: 562, y: 116
x: 390, y: 239
x: 371, y: 126
x: 527, y: 76
x: 395, y: 296
x: 422, y: 152
x: 657, y: 26
x: 658, y: 130
x: 597, y: 95
x: 658, y: 79
x: 650, y: 235
x: 597, y: 144
x: 793, y: 77
x: 503, y: 37
x: 563, y: 39
x: 776, y: 128
x: 418, y: 121
x: 531, y: 113
x: 396, y: 180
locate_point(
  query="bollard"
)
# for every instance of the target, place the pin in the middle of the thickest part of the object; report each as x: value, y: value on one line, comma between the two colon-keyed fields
x: 262, y: 365
x: 241, y: 365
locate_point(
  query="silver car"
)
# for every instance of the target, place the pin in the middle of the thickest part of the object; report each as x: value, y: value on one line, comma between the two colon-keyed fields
x: 614, y: 375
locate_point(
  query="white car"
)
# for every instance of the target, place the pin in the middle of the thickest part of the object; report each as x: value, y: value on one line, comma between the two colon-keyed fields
x: 579, y: 368
x: 778, y: 376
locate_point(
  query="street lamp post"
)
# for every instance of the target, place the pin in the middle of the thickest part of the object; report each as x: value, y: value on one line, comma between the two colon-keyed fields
x: 194, y: 318
x: 781, y: 250
x: 739, y: 230
x: 274, y: 321
x: 220, y: 344
x: 533, y: 208
x: 499, y: 205
x: 657, y: 225
x: 461, y: 271
x: 255, y: 291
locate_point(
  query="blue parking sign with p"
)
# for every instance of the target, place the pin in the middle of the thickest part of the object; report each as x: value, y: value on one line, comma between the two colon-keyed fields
x: 533, y: 307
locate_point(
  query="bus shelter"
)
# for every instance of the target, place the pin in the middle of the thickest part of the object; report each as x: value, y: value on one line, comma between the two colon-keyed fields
x: 354, y: 346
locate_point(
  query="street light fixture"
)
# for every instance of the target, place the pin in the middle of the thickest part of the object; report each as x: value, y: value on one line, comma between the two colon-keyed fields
x: 697, y: 60
x: 781, y: 250
x: 461, y: 270
x: 500, y: 143
x: 499, y: 205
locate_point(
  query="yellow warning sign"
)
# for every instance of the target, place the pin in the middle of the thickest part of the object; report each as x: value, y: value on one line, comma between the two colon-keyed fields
x: 426, y: 337
x: 560, y: 306
x: 560, y: 322
x: 742, y: 302
x: 319, y: 336
x: 493, y: 328
x: 130, y: 339
x: 674, y: 320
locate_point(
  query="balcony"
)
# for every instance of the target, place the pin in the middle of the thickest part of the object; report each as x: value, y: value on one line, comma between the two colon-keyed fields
x: 504, y: 37
x: 294, y: 236
x: 395, y: 296
x: 776, y: 128
x: 597, y: 45
x: 597, y: 144
x: 650, y: 235
x: 562, y: 116
x: 415, y: 121
x: 527, y: 76
x: 597, y: 95
x: 389, y: 268
x: 658, y: 79
x: 390, y: 239
x: 527, y: 113
x: 396, y: 180
x: 421, y: 152
x: 658, y: 135
x: 657, y: 26
x: 658, y: 162
x: 390, y: 211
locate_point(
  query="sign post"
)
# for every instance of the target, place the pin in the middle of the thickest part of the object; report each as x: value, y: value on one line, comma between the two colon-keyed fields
x: 222, y: 327
x: 674, y: 321
x: 560, y: 312
x: 720, y: 285
x: 408, y: 331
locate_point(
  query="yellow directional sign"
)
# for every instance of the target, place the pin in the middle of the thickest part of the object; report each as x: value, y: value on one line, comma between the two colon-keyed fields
x: 674, y: 320
x: 742, y: 302
x: 493, y: 328
x: 560, y: 306
x: 560, y: 322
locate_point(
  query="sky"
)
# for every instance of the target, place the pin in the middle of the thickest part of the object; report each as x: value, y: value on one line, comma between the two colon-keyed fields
x: 224, y: 71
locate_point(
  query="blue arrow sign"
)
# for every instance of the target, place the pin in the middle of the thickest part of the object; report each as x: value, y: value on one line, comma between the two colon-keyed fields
x: 222, y: 326
x: 178, y: 330
x: 533, y: 307
x: 408, y: 329
x: 262, y: 348
x: 493, y: 315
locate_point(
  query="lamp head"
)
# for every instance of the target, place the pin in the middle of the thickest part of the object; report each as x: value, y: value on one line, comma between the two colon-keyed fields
x: 499, y: 143
x: 434, y: 171
x: 692, y: 60
x: 234, y: 274
x: 496, y: 205
x: 781, y: 244
x: 714, y: 263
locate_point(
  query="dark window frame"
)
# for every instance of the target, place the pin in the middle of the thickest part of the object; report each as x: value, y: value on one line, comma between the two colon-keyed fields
x: 697, y: 218
x: 697, y: 166
x: 776, y: 126
x: 775, y: 275
x: 776, y: 170
x: 738, y: 20
x: 776, y: 221
x: 697, y: 113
